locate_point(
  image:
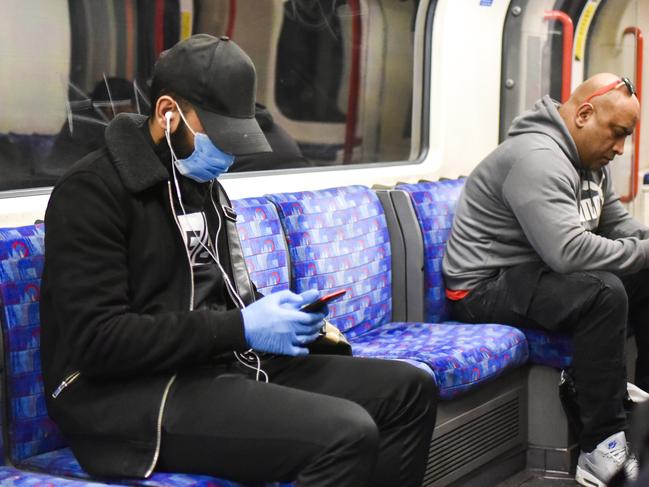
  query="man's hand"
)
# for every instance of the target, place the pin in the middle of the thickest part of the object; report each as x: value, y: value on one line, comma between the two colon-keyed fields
x: 274, y: 324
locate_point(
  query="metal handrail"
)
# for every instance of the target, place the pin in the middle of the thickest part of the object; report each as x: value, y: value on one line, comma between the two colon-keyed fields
x: 566, y: 66
x: 354, y: 80
x: 158, y: 35
x: 635, y: 169
x: 232, y: 18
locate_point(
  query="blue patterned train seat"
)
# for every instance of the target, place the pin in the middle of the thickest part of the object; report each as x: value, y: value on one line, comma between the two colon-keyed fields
x: 551, y: 349
x: 13, y: 477
x: 434, y: 204
x: 30, y: 430
x: 462, y: 356
x: 34, y: 441
x: 263, y: 244
x: 260, y: 237
x: 338, y: 239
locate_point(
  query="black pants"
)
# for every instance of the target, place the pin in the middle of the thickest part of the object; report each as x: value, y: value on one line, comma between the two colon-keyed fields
x: 594, y: 308
x: 323, y: 420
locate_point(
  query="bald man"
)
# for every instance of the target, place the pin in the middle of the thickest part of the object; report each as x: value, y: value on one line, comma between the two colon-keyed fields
x: 540, y: 240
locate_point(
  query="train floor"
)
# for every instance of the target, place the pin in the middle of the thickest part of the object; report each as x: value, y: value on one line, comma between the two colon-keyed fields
x: 537, y: 478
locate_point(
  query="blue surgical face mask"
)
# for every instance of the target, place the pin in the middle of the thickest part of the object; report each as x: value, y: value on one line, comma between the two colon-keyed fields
x: 206, y: 162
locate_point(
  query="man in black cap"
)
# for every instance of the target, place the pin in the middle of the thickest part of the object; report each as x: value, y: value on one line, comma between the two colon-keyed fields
x: 157, y: 351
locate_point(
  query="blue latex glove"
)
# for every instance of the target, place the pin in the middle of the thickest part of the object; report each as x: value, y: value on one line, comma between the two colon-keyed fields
x: 274, y: 324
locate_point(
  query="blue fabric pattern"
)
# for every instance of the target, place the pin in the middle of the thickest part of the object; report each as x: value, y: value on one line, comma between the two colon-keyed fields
x: 549, y: 349
x: 434, y: 204
x: 21, y: 242
x: 12, y: 477
x: 335, y: 239
x: 460, y: 355
x: 338, y: 239
x: 62, y: 462
x: 31, y: 431
x: 35, y: 443
x: 263, y: 244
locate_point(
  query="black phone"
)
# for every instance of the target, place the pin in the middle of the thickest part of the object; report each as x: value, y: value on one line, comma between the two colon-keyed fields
x: 321, y: 301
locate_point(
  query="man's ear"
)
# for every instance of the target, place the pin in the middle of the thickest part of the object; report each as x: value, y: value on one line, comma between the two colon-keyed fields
x: 166, y: 113
x: 584, y: 112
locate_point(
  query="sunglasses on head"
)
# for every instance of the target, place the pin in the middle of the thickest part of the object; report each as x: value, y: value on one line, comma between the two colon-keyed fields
x: 615, y: 84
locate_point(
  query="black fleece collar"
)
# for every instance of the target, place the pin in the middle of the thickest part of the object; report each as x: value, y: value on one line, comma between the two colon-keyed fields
x: 135, y: 160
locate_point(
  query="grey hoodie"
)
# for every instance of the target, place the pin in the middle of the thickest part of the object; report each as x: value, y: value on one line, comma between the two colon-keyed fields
x: 530, y: 200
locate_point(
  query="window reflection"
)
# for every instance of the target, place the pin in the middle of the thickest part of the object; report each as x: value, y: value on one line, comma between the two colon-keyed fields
x: 307, y: 86
x: 87, y: 117
x: 334, y: 76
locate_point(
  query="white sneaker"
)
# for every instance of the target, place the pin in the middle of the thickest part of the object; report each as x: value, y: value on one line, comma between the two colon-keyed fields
x: 636, y: 394
x: 596, y: 468
x: 632, y: 467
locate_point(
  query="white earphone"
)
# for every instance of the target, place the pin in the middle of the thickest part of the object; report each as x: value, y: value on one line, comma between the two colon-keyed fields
x: 249, y: 356
x: 168, y: 116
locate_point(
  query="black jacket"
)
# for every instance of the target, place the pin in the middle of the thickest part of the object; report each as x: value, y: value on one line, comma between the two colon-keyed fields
x: 115, y: 303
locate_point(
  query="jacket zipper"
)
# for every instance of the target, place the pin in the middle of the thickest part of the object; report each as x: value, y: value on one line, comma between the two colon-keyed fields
x: 156, y: 454
x: 65, y: 383
x: 163, y: 401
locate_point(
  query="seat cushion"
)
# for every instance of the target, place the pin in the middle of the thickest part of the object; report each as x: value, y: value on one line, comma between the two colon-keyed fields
x: 263, y: 244
x: 12, y: 477
x: 551, y: 349
x: 63, y: 463
x: 462, y: 356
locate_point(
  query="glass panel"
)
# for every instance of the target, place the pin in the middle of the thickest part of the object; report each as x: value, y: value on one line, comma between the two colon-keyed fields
x: 532, y: 58
x: 335, y: 77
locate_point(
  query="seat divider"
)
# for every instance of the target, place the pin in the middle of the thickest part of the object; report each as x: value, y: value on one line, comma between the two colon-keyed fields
x: 414, y: 255
x: 398, y: 257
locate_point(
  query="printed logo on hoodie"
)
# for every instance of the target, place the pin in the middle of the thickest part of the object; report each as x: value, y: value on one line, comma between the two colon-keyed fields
x: 591, y: 203
x: 196, y: 237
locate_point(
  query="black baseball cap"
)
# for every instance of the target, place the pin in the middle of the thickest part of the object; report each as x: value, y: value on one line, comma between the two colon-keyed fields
x: 219, y: 80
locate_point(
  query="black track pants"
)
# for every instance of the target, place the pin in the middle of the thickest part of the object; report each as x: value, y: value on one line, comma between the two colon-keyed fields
x: 323, y: 420
x: 593, y: 307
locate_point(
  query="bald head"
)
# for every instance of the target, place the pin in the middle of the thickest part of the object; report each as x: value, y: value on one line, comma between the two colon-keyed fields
x: 600, y: 114
x: 594, y: 84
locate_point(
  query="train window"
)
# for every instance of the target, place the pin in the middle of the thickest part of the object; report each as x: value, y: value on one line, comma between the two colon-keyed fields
x: 335, y: 77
